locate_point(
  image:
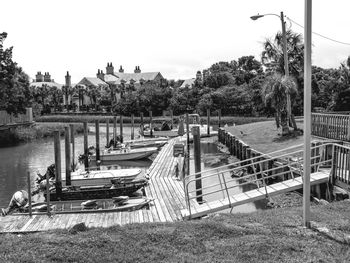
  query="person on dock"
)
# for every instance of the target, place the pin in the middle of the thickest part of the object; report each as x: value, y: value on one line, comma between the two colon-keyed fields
x: 18, y: 201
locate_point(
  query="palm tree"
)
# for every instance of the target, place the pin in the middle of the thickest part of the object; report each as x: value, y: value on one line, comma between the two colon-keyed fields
x: 272, y: 56
x: 274, y: 91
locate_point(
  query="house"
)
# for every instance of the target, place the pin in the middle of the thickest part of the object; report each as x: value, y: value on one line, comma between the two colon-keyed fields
x: 188, y: 83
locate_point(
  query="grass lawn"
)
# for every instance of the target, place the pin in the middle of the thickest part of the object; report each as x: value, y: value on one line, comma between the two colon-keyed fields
x: 264, y: 136
x: 265, y: 236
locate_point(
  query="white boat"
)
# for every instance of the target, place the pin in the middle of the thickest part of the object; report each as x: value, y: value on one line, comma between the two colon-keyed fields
x: 100, y: 177
x: 145, y: 143
x: 125, y: 154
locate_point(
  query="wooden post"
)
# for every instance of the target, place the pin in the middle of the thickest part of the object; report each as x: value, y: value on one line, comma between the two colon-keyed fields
x: 208, y: 122
x: 150, y: 123
x: 141, y: 125
x: 58, y: 174
x: 121, y: 128
x: 68, y: 157
x: 114, y: 131
x: 132, y: 127
x: 188, y: 133
x: 348, y: 127
x: 172, y: 119
x: 97, y: 128
x: 107, y: 133
x: 197, y: 162
x: 219, y: 116
x: 48, y: 191
x: 72, y: 139
x: 29, y: 194
x: 86, y: 146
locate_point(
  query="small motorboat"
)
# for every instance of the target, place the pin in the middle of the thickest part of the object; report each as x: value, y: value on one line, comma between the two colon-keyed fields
x: 99, y: 177
x: 89, y: 206
x: 125, y: 154
x: 119, y: 188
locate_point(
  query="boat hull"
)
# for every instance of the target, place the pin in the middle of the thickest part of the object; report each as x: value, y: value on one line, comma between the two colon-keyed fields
x: 98, y: 192
x: 121, y: 155
x: 101, y: 177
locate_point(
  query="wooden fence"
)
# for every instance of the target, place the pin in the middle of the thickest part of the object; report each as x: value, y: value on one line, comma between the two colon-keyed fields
x: 9, y: 119
x: 331, y: 126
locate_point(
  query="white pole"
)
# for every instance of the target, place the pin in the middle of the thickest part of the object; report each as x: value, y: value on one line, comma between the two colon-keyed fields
x: 307, y: 113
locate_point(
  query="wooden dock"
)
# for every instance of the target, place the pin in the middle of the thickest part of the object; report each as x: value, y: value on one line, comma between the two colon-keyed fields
x: 164, y: 188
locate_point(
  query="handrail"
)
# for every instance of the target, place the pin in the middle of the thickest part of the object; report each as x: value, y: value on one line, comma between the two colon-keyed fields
x: 294, y: 166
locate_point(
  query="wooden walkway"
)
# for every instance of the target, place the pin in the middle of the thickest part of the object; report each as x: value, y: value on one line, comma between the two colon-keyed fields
x: 253, y: 195
x: 167, y: 192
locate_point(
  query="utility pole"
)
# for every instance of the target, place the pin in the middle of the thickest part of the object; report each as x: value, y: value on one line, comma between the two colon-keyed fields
x: 286, y: 66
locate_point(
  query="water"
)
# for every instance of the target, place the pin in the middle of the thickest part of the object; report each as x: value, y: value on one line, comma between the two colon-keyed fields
x: 31, y: 157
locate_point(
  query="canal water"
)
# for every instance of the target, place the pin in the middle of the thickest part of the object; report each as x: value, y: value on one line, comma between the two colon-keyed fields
x: 34, y: 157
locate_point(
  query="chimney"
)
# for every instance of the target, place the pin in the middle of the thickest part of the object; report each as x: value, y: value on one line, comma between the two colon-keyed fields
x: 100, y: 75
x: 109, y: 68
x: 47, y: 77
x: 137, y: 69
x: 68, y: 79
x: 39, y: 77
x: 199, y: 75
x: 121, y: 70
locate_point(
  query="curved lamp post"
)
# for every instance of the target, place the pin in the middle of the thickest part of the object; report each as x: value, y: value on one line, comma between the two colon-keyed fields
x: 285, y: 53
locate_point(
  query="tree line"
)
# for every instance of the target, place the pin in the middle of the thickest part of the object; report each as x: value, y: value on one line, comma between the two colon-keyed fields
x: 246, y: 86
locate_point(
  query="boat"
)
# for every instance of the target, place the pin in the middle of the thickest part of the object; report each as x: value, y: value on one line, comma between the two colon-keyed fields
x: 89, y: 206
x: 99, y: 177
x: 125, y: 154
x: 119, y: 188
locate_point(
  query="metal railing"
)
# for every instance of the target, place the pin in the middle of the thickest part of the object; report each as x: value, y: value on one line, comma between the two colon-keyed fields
x: 286, y: 163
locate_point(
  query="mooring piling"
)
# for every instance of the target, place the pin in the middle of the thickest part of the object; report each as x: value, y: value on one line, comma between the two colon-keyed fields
x: 142, y: 124
x: 72, y: 137
x: 197, y: 162
x: 132, y: 135
x: 29, y: 194
x: 97, y: 128
x: 114, y: 131
x: 121, y: 128
x: 107, y: 132
x: 86, y: 147
x: 219, y: 116
x: 48, y: 194
x: 57, y: 150
x: 68, y: 157
x: 208, y: 122
x: 150, y: 123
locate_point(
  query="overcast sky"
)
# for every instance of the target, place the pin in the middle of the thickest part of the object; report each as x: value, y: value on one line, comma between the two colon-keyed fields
x: 176, y: 37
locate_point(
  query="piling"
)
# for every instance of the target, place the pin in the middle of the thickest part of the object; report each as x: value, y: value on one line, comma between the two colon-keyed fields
x: 219, y: 117
x: 48, y: 193
x: 97, y: 127
x: 150, y: 123
x: 86, y: 147
x: 188, y: 133
x: 68, y: 157
x: 141, y: 124
x: 132, y: 127
x: 29, y: 194
x: 172, y: 119
x: 121, y: 128
x: 208, y: 122
x: 72, y: 139
x: 197, y: 162
x: 114, y: 131
x: 58, y: 175
x: 107, y: 133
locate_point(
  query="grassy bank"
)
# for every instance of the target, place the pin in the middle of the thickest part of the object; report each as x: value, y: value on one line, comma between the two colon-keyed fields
x: 265, y: 236
x: 37, y: 131
x: 229, y: 120
x: 264, y: 136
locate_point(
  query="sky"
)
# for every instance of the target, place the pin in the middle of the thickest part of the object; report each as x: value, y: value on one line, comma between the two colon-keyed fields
x: 174, y: 37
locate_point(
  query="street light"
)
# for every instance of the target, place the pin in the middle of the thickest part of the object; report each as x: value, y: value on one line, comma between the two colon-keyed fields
x: 285, y: 54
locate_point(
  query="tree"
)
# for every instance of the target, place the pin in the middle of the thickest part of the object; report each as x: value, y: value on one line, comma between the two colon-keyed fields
x: 274, y: 91
x: 14, y: 82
